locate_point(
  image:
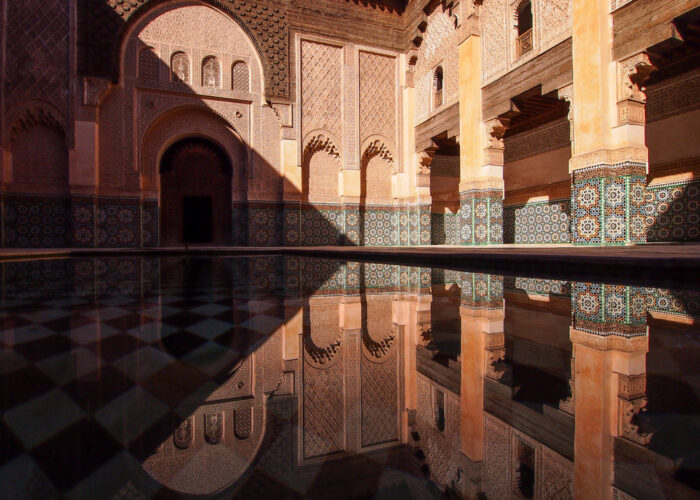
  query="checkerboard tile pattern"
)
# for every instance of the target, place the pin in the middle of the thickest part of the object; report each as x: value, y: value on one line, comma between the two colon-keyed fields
x: 89, y: 384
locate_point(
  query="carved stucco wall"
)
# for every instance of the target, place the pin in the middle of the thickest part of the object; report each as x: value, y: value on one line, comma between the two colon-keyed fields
x: 552, y: 25
x: 378, y: 88
x: 101, y: 24
x: 37, y: 66
x: 554, y: 474
x: 439, y: 47
x: 141, y: 101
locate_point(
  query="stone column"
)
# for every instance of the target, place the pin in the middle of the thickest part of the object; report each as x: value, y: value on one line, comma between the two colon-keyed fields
x: 425, y: 159
x: 481, y: 168
x: 609, y: 160
x: 84, y: 163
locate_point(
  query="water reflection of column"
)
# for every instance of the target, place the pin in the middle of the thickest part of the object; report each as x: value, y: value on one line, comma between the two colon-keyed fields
x: 482, y: 311
x: 610, y: 341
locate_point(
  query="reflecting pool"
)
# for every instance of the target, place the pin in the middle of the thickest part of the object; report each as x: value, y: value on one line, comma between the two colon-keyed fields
x: 287, y: 377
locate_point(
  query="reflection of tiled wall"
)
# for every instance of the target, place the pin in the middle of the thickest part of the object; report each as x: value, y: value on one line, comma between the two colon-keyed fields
x: 35, y: 221
x: 676, y: 302
x: 673, y: 212
x: 537, y: 286
x: 606, y: 204
x: 482, y: 291
x: 609, y: 309
x: 445, y: 229
x: 481, y: 216
x: 543, y: 222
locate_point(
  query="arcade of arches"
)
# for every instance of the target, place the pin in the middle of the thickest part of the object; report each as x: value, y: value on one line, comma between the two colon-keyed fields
x: 389, y: 123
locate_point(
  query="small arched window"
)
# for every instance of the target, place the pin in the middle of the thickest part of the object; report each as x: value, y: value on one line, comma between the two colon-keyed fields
x: 524, y: 28
x: 439, y: 410
x: 180, y: 67
x: 211, y: 72
x: 438, y: 87
x: 240, y: 77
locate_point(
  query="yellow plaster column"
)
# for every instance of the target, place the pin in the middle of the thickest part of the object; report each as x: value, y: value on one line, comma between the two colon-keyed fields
x: 481, y: 180
x: 609, y: 160
x: 482, y: 331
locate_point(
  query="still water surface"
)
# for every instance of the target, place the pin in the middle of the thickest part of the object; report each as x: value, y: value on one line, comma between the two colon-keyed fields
x: 285, y: 377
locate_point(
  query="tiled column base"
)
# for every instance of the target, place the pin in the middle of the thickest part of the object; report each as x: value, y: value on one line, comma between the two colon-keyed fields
x: 118, y: 222
x: 82, y: 216
x: 481, y: 217
x: 424, y: 225
x: 291, y: 224
x: 239, y: 220
x: 149, y: 223
x: 606, y: 204
x: 352, y: 225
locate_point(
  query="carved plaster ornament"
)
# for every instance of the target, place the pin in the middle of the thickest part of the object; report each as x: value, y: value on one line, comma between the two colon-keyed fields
x: 322, y: 347
x: 31, y: 117
x: 495, y: 131
x: 378, y: 148
x: 378, y: 346
x: 321, y: 142
x: 95, y: 90
x: 425, y: 160
x: 181, y: 67
x: 634, y: 72
x: 495, y: 363
x: 213, y: 427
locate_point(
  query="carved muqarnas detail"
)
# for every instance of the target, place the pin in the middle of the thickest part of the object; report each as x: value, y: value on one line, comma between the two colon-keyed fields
x: 633, y: 403
x: 633, y: 74
x: 380, y: 347
x: 32, y: 117
x: 321, y: 355
x: 184, y: 434
x: 321, y: 143
x: 378, y: 148
x: 213, y: 427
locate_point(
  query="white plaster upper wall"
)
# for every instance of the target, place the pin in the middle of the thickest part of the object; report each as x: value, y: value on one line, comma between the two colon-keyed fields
x: 674, y: 138
x: 551, y: 25
x: 200, y: 31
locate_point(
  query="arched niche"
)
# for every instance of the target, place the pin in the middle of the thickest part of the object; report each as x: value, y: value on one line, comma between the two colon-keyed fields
x: 320, y: 167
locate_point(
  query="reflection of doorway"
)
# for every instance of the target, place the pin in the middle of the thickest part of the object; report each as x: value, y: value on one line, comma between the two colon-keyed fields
x: 195, y: 184
x: 197, y: 218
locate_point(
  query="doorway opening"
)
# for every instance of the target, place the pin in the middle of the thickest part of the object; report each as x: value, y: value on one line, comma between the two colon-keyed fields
x: 195, y: 194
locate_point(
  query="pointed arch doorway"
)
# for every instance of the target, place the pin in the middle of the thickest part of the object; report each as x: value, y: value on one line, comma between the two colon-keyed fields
x: 195, y: 185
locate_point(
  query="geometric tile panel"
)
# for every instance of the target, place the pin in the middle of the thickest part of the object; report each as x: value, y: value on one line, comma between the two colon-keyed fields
x: 543, y: 222
x: 445, y: 229
x: 322, y: 226
x: 481, y: 214
x: 672, y: 212
x: 608, y: 210
x: 379, y: 226
x: 118, y: 222
x: 33, y: 221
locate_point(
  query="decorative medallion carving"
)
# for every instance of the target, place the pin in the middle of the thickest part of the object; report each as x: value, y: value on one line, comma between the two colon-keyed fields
x: 184, y: 434
x: 213, y: 427
x: 180, y: 67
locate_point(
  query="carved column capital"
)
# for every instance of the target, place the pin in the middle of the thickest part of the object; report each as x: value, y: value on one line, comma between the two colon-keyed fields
x: 95, y: 90
x: 495, y: 131
x: 633, y: 74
